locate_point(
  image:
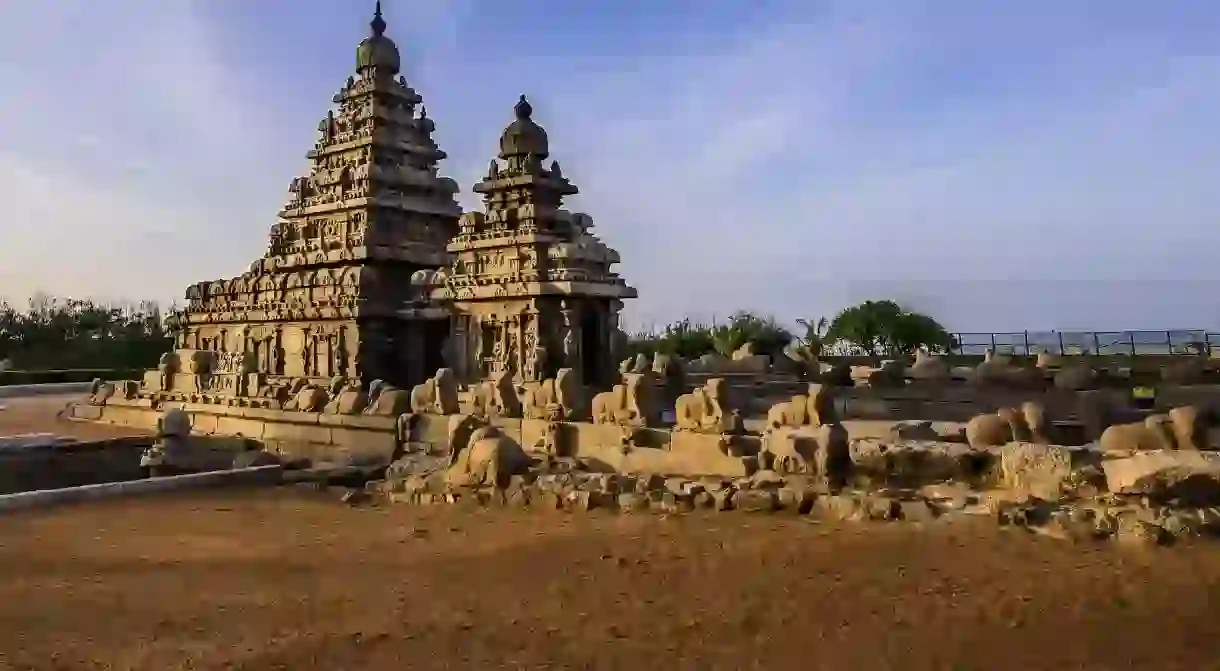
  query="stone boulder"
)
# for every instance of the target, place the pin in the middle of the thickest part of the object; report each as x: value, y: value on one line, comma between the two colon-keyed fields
x: 1046, y: 471
x: 1193, y: 478
x: 929, y: 369
x: 488, y: 458
x: 916, y: 463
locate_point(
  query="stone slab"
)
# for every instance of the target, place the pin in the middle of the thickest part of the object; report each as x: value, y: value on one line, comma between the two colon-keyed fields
x: 258, y: 475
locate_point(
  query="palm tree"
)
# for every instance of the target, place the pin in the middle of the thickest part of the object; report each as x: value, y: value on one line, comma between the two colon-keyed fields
x: 814, y: 339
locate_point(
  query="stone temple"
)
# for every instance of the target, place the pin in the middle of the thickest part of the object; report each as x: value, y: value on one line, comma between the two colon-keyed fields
x: 373, y: 271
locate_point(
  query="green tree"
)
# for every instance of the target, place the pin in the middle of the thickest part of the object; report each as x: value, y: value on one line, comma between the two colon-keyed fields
x: 767, y: 336
x: 66, y: 333
x: 814, y: 338
x: 884, y: 327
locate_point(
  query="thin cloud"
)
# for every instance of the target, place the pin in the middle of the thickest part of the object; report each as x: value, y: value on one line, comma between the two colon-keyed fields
x: 1013, y: 167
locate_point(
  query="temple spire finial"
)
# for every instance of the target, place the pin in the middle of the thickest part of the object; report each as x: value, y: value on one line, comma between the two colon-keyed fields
x: 378, y: 23
x: 523, y: 108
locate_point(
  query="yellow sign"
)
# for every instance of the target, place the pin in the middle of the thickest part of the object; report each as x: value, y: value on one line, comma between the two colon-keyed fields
x: 1143, y: 392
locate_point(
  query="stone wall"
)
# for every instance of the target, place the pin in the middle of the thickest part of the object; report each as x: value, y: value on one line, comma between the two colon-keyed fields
x: 71, y: 464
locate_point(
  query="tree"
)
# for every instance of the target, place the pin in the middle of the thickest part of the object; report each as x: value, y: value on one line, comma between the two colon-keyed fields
x: 66, y: 333
x: 884, y: 327
x: 912, y: 330
x: 814, y: 339
x: 767, y: 336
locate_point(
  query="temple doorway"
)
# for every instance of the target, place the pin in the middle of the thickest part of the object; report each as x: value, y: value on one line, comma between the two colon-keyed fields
x: 591, y: 354
x: 436, y: 335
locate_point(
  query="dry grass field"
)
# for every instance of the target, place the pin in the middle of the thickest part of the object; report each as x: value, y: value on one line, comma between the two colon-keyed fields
x: 287, y: 579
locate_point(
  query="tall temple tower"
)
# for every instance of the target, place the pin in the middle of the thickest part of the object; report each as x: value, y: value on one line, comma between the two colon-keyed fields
x: 531, y: 288
x: 333, y: 293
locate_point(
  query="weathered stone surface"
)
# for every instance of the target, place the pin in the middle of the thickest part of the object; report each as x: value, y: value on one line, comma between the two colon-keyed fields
x: 756, y: 500
x: 796, y: 499
x: 252, y: 458
x: 630, y: 502
x: 1192, y: 477
x: 839, y: 507
x: 916, y: 463
x: 916, y: 510
x: 1045, y: 471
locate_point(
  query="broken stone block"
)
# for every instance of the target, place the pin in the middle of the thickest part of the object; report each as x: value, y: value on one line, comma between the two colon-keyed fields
x: 756, y: 500
x: 1045, y: 471
x: 881, y: 508
x: 630, y: 502
x: 518, y: 495
x: 1131, y: 530
x: 916, y: 510
x: 1190, y: 476
x: 916, y: 463
x: 582, y: 500
x: 765, y: 479
x: 724, y: 499
x: 838, y: 507
x: 796, y: 499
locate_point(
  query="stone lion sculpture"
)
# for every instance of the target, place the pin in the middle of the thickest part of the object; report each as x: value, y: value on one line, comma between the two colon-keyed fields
x: 632, y: 403
x: 349, y: 399
x: 437, y: 395
x: 1026, y: 423
x: 167, y: 366
x: 480, y: 455
x: 308, y: 399
x: 811, y: 450
x: 539, y: 401
x: 814, y: 408
x: 1078, y: 376
x: 1182, y: 428
x: 560, y: 398
x: 1154, y: 433
x: 497, y: 397
x: 998, y: 370
x: 704, y: 409
x: 929, y: 368
x: 793, y: 413
x: 387, y: 400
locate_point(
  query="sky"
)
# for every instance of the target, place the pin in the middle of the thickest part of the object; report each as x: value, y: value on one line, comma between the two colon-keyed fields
x: 1002, y: 166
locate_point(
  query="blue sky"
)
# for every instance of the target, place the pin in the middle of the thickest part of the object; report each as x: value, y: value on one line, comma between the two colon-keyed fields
x: 1000, y: 165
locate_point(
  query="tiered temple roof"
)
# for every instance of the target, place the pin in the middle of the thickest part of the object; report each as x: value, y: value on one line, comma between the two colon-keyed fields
x: 524, y: 244
x: 531, y: 288
x: 371, y: 211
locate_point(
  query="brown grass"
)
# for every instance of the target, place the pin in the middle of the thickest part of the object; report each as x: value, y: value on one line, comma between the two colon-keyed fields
x: 285, y: 580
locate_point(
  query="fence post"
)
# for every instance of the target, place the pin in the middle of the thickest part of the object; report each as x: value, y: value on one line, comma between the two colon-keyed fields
x: 1096, y: 345
x: 1025, y: 335
x: 1131, y: 337
x: 993, y: 343
x: 1062, y: 351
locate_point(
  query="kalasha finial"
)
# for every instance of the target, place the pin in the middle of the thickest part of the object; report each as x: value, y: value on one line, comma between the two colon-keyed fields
x: 378, y: 23
x: 523, y: 109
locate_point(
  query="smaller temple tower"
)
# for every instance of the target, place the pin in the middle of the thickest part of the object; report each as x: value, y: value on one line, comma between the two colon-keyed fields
x: 531, y: 288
